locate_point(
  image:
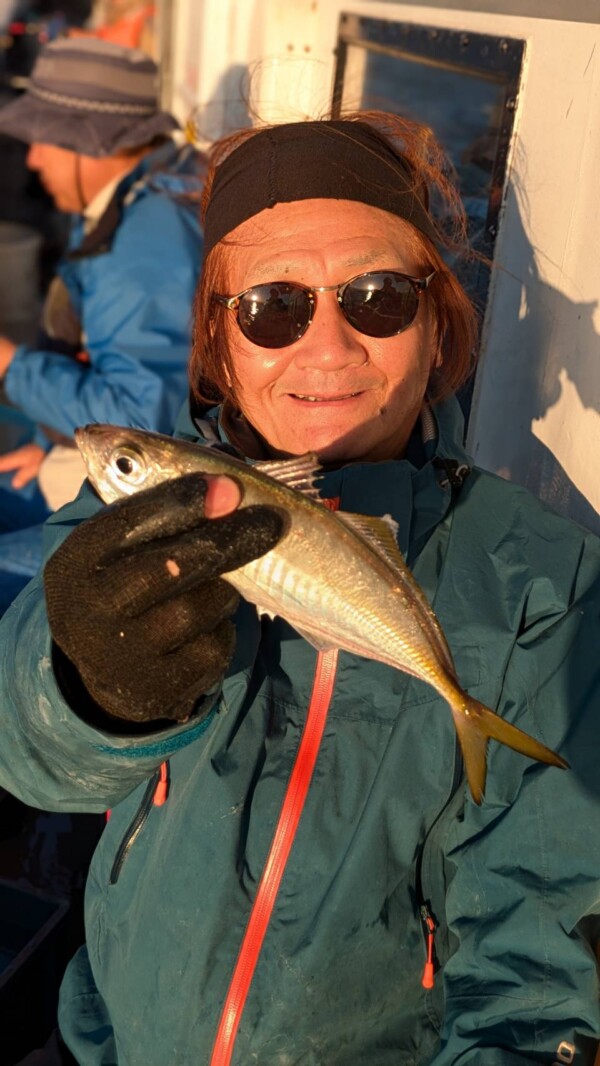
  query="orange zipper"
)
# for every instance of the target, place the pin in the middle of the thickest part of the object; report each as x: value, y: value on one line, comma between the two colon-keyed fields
x: 281, y: 846
x: 428, y: 978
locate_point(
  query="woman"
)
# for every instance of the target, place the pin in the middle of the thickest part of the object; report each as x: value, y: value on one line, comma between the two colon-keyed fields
x: 256, y: 896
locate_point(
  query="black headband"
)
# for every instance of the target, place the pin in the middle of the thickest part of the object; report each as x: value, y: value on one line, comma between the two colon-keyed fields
x: 338, y: 160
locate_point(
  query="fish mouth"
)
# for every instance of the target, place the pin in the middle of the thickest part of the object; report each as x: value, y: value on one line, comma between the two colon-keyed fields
x: 83, y: 442
x: 89, y: 438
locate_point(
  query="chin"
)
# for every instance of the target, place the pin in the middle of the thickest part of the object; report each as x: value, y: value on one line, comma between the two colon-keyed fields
x: 353, y: 447
x: 336, y: 451
x: 341, y: 446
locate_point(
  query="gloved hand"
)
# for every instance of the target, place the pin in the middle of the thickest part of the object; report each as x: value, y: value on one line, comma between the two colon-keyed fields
x: 136, y: 604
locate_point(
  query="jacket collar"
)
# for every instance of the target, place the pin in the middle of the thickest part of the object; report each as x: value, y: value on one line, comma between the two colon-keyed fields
x: 416, y: 490
x: 178, y: 179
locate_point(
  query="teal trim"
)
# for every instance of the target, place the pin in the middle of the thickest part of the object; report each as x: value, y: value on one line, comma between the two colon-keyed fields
x: 164, y: 748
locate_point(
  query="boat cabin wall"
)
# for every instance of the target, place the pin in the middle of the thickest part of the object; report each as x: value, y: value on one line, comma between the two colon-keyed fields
x: 512, y: 87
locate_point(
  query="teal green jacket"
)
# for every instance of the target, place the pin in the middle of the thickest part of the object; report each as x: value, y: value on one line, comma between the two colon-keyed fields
x: 388, y: 834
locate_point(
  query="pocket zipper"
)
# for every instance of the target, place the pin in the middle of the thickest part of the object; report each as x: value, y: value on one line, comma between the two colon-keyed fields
x: 154, y: 796
x: 428, y: 919
x: 428, y: 978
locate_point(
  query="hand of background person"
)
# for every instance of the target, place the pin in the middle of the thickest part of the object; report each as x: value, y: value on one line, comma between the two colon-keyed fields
x: 7, y: 350
x: 25, y: 461
x: 135, y: 601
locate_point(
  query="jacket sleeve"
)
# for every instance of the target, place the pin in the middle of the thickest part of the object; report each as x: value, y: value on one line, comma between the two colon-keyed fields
x: 50, y: 757
x: 523, y: 898
x: 136, y: 305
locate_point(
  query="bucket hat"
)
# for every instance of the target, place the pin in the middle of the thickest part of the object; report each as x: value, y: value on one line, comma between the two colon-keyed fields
x: 90, y: 96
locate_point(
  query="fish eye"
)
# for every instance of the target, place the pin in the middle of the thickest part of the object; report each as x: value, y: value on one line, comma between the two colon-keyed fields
x: 128, y: 465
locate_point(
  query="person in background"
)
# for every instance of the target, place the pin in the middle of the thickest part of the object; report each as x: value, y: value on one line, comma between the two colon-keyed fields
x: 128, y: 22
x: 294, y: 870
x: 116, y: 321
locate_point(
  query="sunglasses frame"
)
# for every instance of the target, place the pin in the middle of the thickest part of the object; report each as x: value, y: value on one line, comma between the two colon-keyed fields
x: 232, y: 303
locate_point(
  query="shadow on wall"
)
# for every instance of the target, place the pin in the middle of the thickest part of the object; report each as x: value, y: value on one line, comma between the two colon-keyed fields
x: 226, y: 110
x: 553, y: 387
x: 270, y: 90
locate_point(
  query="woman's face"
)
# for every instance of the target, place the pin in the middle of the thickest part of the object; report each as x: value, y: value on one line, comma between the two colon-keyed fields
x: 335, y: 391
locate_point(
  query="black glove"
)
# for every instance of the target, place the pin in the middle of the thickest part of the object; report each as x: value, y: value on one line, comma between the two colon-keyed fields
x: 135, y: 602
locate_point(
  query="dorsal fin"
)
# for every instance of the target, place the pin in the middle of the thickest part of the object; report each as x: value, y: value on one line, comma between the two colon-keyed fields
x: 380, y: 533
x: 298, y: 473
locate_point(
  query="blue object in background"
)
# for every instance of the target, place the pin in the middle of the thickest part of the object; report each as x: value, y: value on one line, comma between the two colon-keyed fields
x: 22, y: 515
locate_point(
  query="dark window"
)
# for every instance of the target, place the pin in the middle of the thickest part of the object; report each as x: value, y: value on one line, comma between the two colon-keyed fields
x: 464, y: 85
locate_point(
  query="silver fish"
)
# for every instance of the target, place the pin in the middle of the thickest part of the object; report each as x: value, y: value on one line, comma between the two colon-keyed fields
x: 339, y: 579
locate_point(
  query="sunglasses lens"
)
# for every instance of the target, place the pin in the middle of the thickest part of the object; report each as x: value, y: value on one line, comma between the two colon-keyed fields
x: 274, y: 315
x: 380, y: 304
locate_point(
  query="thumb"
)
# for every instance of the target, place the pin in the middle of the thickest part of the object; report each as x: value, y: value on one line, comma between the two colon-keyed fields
x: 222, y: 496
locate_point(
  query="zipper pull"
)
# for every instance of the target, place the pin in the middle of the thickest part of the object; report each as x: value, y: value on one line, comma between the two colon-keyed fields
x: 162, y: 785
x: 427, y: 918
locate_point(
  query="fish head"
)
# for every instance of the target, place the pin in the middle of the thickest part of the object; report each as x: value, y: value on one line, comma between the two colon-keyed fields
x: 121, y: 461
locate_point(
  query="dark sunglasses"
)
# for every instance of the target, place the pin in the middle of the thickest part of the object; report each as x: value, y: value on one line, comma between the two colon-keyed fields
x: 380, y: 303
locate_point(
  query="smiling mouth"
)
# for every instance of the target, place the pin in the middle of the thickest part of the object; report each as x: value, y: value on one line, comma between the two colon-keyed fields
x: 323, y: 399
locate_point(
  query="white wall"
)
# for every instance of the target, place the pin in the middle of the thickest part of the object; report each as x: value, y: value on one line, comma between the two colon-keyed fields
x: 269, y: 53
x: 536, y: 407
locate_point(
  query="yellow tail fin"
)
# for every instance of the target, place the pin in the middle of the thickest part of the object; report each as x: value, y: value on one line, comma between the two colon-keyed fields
x: 475, y: 724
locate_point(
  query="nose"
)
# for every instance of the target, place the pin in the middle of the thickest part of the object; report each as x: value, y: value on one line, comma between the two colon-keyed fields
x: 330, y: 342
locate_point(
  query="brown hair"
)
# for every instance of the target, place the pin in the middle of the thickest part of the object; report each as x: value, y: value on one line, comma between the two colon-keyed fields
x: 211, y: 372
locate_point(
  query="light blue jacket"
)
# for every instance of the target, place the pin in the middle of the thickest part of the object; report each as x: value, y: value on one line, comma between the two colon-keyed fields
x: 133, y: 298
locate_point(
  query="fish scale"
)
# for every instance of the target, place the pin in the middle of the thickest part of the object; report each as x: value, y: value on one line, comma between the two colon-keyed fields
x: 338, y: 579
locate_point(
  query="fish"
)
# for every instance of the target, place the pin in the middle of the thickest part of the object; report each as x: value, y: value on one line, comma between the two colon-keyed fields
x: 338, y: 578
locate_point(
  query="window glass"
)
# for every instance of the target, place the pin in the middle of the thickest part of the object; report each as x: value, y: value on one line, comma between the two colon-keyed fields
x: 463, y: 111
x: 461, y: 84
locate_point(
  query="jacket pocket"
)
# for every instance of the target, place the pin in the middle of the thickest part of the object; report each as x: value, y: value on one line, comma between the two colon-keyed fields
x: 134, y: 828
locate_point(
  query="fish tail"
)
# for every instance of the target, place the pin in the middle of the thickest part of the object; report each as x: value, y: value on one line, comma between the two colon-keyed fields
x: 475, y: 724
